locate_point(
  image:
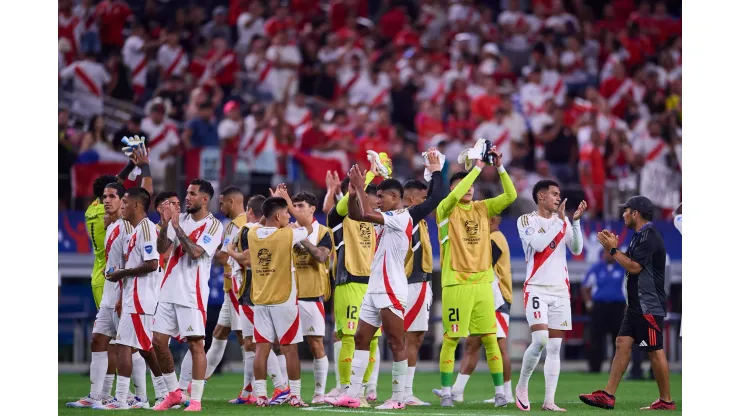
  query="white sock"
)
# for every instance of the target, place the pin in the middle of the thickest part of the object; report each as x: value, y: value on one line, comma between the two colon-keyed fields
x: 532, y: 357
x: 273, y: 371
x: 170, y: 380
x: 337, y: 349
x: 186, y: 371
x: 320, y: 372
x: 160, y: 387
x: 373, y: 382
x: 260, y: 388
x: 409, y: 381
x: 197, y: 390
x: 214, y: 355
x: 460, y: 382
x: 98, y: 368
x: 552, y: 368
x: 108, y: 384
x: 498, y: 390
x: 138, y: 375
x: 507, y: 390
x: 248, y: 368
x: 295, y: 388
x: 400, y: 368
x: 283, y: 366
x: 122, y: 386
x: 446, y: 391
x: 359, y: 365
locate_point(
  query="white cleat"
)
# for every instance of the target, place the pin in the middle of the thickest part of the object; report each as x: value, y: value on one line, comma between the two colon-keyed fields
x: 456, y: 396
x: 317, y: 399
x: 137, y: 403
x: 86, y: 402
x: 414, y: 401
x: 113, y: 405
x: 552, y: 407
x: 391, y: 405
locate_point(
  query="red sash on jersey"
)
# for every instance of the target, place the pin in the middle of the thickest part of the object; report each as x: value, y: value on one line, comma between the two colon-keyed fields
x: 179, y: 252
x: 541, y: 257
x: 503, y: 138
x: 378, y: 100
x: 657, y: 150
x: 158, y: 138
x: 345, y: 89
x: 82, y: 75
x: 175, y: 63
x: 140, y: 67
x: 260, y: 147
x: 303, y: 121
x: 439, y: 93
x: 265, y: 71
x: 619, y: 94
x: 116, y: 232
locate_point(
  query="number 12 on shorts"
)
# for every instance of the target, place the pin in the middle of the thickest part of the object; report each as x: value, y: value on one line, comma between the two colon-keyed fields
x: 351, y: 312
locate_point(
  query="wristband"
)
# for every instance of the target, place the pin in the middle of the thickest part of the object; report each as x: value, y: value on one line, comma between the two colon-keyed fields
x: 613, y: 251
x: 145, y: 171
x: 126, y: 171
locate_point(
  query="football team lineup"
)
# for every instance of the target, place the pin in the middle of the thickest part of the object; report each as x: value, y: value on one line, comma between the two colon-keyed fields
x: 373, y: 260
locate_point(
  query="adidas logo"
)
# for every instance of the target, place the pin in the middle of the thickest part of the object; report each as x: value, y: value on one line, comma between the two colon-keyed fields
x: 395, y: 381
x: 190, y: 328
x: 643, y: 344
x: 347, y: 360
x: 318, y: 384
x: 353, y: 373
x: 311, y: 329
x: 494, y: 358
x: 448, y: 361
x: 565, y: 323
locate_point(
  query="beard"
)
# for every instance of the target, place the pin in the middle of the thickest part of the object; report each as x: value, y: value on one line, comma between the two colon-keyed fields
x: 193, y: 209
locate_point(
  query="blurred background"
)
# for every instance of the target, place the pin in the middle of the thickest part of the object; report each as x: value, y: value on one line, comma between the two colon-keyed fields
x: 253, y: 93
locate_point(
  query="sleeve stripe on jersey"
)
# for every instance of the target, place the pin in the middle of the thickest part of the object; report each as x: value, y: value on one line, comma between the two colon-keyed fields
x: 214, y: 226
x: 147, y: 233
x: 230, y: 228
x: 128, y: 226
x: 524, y: 220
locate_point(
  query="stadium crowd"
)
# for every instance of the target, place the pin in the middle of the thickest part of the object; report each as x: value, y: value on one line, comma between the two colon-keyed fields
x: 587, y: 93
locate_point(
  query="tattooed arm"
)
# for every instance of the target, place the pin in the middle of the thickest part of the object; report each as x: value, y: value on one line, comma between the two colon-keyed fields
x: 320, y: 254
x: 193, y: 250
x: 163, y: 243
x: 140, y: 270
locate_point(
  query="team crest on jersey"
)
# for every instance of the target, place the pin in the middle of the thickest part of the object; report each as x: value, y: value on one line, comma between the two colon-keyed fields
x: 226, y: 242
x: 365, y: 231
x: 265, y: 257
x: 351, y: 325
x: 454, y: 327
x: 471, y: 227
x: 148, y: 249
x: 529, y: 231
x: 207, y: 238
x: 553, y: 245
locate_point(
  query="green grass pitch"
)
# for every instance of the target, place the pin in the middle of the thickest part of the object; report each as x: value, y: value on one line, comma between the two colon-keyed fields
x: 630, y: 397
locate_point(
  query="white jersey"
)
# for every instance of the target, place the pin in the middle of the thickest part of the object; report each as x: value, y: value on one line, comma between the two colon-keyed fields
x: 544, y: 241
x: 116, y: 238
x: 299, y: 234
x: 677, y: 222
x: 388, y: 272
x: 172, y: 60
x: 140, y: 292
x: 90, y: 79
x: 185, y: 281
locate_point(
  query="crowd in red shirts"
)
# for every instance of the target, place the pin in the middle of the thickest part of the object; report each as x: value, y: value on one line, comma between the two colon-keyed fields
x: 587, y: 93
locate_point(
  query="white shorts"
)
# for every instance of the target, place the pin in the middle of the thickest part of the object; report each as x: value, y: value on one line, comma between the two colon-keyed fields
x: 135, y: 331
x: 277, y: 323
x: 502, y: 318
x: 420, y: 299
x: 503, y: 310
x: 373, y: 303
x: 553, y: 311
x: 228, y: 317
x: 106, y: 323
x: 246, y: 320
x: 313, y: 318
x: 179, y: 321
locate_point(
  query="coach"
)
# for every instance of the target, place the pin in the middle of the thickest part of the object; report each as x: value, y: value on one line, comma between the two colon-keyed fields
x: 646, y: 299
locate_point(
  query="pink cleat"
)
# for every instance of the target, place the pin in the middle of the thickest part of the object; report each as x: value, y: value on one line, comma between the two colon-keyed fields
x: 391, y: 405
x: 262, y: 401
x: 372, y: 395
x: 296, y: 401
x: 522, y: 399
x: 344, y: 401
x: 171, y: 400
x: 194, y: 406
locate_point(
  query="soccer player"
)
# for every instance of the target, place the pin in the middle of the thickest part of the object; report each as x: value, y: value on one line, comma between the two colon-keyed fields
x: 467, y: 273
x: 502, y: 288
x: 274, y: 291
x: 183, y: 295
x: 645, y: 263
x: 239, y: 257
x: 312, y: 271
x: 418, y: 268
x: 355, y: 243
x: 545, y: 233
x: 139, y: 296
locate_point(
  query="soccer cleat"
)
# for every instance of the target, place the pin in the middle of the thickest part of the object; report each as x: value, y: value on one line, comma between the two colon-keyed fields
x: 552, y: 407
x: 262, y: 401
x: 173, y: 399
x: 317, y: 399
x: 456, y: 397
x: 296, y: 401
x: 334, y: 393
x: 661, y: 405
x: 391, y: 405
x: 372, y: 395
x: 446, y: 401
x: 185, y: 399
x: 364, y: 404
x: 113, y: 405
x: 522, y: 399
x: 498, y: 401
x: 280, y: 396
x: 344, y: 401
x: 85, y: 402
x: 249, y: 399
x: 137, y: 403
x: 415, y: 401
x: 599, y: 398
x: 194, y: 406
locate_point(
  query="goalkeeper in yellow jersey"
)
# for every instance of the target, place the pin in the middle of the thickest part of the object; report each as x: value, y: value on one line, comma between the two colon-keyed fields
x: 467, y: 275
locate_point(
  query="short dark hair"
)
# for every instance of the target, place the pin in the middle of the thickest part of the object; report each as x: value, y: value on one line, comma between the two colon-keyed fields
x: 306, y: 197
x: 204, y: 186
x: 100, y: 184
x: 391, y: 185
x: 458, y: 176
x: 255, y: 203
x: 415, y: 184
x: 273, y: 204
x: 647, y: 216
x: 141, y: 194
x: 345, y: 184
x: 230, y: 190
x: 120, y: 190
x: 541, y: 186
x: 372, y: 189
x: 162, y: 196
